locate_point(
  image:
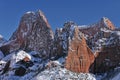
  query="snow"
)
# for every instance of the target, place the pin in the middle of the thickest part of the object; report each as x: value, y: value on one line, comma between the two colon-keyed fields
x: 1, y: 55
x: 28, y: 12
x: 105, y: 30
x: 117, y: 33
x: 21, y: 55
x: 117, y: 77
x: 83, y: 26
x: 58, y: 73
x: 72, y: 27
x: 2, y: 64
x: 60, y: 61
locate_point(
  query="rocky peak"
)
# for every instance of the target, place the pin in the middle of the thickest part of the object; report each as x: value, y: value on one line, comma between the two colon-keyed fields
x: 33, y: 33
x: 107, y: 23
x: 92, y: 29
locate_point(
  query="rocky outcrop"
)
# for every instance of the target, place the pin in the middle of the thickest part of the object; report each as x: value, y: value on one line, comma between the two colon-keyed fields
x: 80, y: 57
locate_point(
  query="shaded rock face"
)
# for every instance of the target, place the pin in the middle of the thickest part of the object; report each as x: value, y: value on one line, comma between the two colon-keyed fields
x: 33, y: 33
x: 107, y: 59
x: 6, y: 68
x: 80, y: 57
x: 2, y: 41
x: 5, y: 49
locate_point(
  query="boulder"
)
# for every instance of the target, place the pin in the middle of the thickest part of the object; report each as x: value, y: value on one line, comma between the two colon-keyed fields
x: 20, y: 71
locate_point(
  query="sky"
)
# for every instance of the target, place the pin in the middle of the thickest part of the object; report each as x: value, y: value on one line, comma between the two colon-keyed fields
x: 82, y: 12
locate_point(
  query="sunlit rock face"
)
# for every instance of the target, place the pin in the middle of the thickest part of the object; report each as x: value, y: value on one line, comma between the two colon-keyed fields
x: 80, y: 57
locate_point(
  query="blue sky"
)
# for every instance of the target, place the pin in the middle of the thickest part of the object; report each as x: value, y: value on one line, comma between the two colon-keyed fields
x: 57, y: 12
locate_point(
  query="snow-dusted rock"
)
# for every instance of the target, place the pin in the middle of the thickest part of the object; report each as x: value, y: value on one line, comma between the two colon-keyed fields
x: 33, y: 34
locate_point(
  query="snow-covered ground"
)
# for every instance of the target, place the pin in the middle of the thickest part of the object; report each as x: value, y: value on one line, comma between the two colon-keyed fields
x: 59, y: 73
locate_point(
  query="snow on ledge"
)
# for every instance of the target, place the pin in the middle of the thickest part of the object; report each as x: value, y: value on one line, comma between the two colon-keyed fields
x: 21, y: 55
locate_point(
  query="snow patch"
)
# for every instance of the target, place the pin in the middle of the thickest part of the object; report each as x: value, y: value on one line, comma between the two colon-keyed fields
x: 21, y: 55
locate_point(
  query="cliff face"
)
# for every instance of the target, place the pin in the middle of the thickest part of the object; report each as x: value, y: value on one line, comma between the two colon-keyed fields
x: 80, y: 57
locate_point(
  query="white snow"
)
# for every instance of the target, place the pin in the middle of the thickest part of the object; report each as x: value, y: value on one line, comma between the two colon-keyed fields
x: 29, y: 12
x: 21, y: 55
x: 83, y: 26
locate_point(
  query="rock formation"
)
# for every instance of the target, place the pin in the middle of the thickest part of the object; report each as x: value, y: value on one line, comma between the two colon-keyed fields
x: 80, y: 57
x: 33, y: 34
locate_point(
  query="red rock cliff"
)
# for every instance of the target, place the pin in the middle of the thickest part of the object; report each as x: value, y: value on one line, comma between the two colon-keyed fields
x: 80, y: 57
